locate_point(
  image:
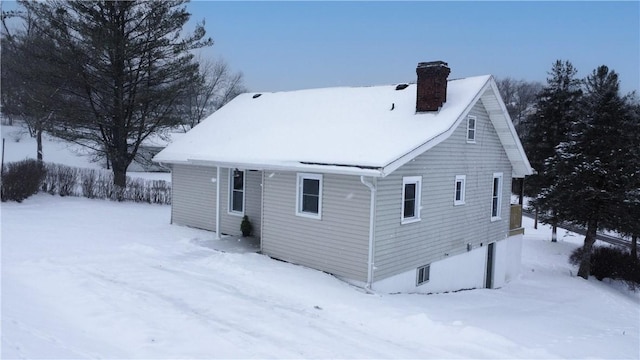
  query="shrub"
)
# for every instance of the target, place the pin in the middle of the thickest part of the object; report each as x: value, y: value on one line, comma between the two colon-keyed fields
x: 246, y: 227
x: 22, y: 179
x: 611, y: 262
x: 89, y: 181
x: 67, y: 180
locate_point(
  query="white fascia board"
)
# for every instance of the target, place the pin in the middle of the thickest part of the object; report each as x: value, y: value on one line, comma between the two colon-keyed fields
x: 528, y: 170
x: 394, y: 165
x: 295, y: 167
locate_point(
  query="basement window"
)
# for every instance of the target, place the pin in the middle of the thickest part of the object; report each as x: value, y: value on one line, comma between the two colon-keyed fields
x: 422, y: 275
x: 471, y: 129
x: 309, y: 195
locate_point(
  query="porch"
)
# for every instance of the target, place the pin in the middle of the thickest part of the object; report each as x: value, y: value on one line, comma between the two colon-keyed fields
x: 515, y: 220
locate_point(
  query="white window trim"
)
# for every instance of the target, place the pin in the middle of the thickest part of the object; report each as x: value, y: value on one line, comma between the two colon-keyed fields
x: 428, y: 268
x: 230, y: 210
x: 463, y: 180
x: 475, y: 129
x: 299, y: 212
x: 499, y: 202
x: 411, y: 180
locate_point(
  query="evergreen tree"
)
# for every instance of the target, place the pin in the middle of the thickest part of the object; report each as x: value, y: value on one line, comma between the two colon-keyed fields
x: 556, y: 109
x: 592, y: 165
x: 626, y: 216
x: 127, y: 67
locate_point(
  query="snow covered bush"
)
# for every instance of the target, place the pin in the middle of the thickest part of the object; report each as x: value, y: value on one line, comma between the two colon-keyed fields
x: 611, y: 262
x: 22, y: 179
x: 25, y: 178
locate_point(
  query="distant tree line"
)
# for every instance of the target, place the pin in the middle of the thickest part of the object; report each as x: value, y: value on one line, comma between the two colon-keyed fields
x: 108, y: 74
x: 582, y: 138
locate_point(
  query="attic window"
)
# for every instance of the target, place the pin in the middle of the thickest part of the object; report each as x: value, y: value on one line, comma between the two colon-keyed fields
x: 256, y: 96
x: 402, y: 86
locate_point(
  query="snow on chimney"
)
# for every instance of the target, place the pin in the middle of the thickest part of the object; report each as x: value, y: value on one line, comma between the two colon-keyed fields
x: 432, y: 85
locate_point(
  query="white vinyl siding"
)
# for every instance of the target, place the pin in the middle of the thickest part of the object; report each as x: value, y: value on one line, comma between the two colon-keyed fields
x: 309, y: 195
x: 236, y: 192
x: 458, y: 191
x: 471, y: 128
x: 496, y: 196
x: 338, y: 243
x: 445, y: 229
x: 411, y: 199
x: 193, y: 196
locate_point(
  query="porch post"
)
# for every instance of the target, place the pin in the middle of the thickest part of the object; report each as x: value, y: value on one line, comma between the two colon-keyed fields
x: 218, y: 179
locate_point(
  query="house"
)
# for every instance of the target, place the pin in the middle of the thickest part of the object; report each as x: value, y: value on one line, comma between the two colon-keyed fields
x: 150, y: 147
x: 400, y: 188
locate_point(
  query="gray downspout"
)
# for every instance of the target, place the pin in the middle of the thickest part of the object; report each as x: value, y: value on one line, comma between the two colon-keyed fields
x: 372, y: 213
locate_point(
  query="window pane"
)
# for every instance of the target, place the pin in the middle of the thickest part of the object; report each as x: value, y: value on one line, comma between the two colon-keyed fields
x: 494, y: 207
x: 238, y: 180
x: 472, y: 123
x: 236, y: 201
x: 310, y: 203
x: 311, y: 186
x: 410, y: 191
x: 458, y: 190
x: 496, y: 183
x: 409, y: 200
x: 471, y: 134
x: 409, y: 208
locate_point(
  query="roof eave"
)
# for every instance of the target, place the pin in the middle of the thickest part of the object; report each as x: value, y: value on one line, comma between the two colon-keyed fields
x: 293, y: 167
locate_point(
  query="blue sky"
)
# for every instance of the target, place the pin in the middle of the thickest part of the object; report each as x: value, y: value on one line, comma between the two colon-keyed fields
x: 296, y: 45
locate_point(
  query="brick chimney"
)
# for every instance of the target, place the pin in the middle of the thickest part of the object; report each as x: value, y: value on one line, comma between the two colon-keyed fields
x: 432, y: 85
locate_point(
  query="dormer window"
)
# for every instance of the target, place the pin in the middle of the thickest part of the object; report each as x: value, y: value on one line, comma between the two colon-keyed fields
x: 471, y: 129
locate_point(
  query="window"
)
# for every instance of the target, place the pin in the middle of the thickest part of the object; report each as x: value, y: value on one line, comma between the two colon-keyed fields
x: 458, y: 197
x: 411, y: 187
x: 422, y: 275
x: 496, y: 196
x: 236, y: 192
x: 309, y: 195
x: 471, y: 129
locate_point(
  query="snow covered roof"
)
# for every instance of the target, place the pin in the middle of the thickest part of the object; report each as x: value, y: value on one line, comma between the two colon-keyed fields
x: 351, y: 130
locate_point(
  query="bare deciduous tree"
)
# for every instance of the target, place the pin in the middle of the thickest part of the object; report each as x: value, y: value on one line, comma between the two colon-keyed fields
x: 519, y: 96
x: 216, y: 86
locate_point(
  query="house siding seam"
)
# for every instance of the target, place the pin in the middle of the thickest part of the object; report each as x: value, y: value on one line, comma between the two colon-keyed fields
x: 230, y: 223
x: 337, y: 243
x: 193, y: 196
x: 444, y: 229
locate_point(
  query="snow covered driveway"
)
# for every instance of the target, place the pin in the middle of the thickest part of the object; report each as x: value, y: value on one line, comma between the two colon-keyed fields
x: 98, y: 279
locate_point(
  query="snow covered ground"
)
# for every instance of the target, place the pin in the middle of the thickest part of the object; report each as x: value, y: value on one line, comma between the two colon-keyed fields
x: 98, y: 279
x: 19, y: 146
